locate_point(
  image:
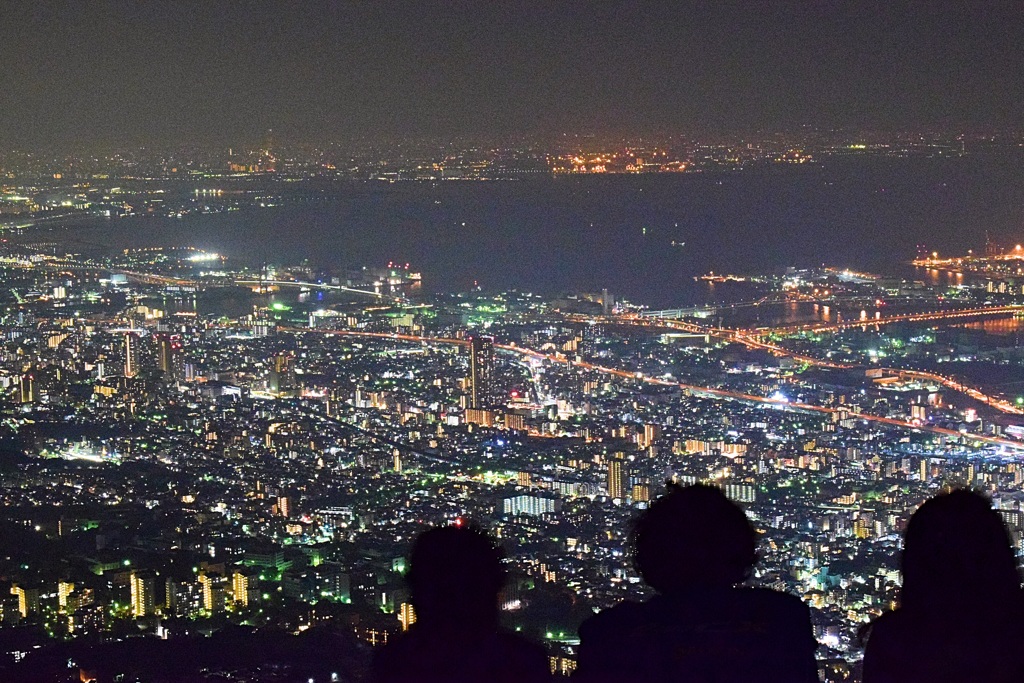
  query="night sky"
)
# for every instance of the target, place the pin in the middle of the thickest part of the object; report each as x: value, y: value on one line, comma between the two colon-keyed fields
x: 142, y: 71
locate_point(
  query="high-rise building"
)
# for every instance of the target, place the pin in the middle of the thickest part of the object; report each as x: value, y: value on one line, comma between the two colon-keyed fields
x: 64, y: 591
x: 484, y: 418
x: 243, y: 584
x: 526, y: 504
x: 642, y: 492
x: 27, y: 388
x: 607, y: 302
x: 28, y: 600
x: 131, y: 354
x: 515, y: 422
x: 143, y: 587
x: 168, y: 347
x: 481, y: 370
x: 281, y: 378
x: 618, y: 476
x: 651, y: 433
x: 741, y: 493
x: 406, y: 615
x: 214, y: 588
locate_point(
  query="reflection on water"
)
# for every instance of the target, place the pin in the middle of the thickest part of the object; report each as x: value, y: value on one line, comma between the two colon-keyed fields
x: 788, y: 313
x: 238, y: 302
x: 553, y: 235
x: 936, y: 277
x: 998, y: 326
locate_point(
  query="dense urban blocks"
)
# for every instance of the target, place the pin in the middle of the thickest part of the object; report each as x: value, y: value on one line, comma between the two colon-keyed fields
x: 203, y: 453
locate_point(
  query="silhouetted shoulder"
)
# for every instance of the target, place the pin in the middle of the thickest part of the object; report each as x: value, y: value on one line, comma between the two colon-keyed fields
x: 732, y: 634
x: 455, y: 575
x: 963, y: 645
x: 442, y: 658
x: 599, y: 658
x: 624, y: 616
x: 772, y: 605
x: 608, y: 641
x: 884, y: 653
x: 961, y: 615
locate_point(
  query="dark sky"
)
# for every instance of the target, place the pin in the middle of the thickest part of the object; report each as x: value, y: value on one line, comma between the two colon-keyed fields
x: 140, y: 70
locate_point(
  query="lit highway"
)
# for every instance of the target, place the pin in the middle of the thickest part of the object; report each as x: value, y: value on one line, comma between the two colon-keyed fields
x: 691, y: 388
x: 754, y: 341
x: 953, y: 314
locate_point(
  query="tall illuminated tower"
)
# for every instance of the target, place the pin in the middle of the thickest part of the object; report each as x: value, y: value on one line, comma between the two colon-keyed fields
x: 143, y: 593
x: 64, y: 591
x: 168, y: 347
x: 481, y: 370
x: 242, y: 583
x: 28, y: 600
x: 214, y: 588
x: 618, y: 476
x: 27, y: 388
x: 131, y: 354
x: 406, y: 615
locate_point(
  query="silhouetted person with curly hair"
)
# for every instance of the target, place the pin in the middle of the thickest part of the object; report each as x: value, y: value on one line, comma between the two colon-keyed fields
x: 456, y: 574
x: 695, y: 548
x: 961, y: 614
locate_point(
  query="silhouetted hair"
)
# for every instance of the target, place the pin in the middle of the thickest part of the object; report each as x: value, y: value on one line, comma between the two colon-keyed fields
x: 455, y: 574
x: 957, y: 552
x: 693, y: 536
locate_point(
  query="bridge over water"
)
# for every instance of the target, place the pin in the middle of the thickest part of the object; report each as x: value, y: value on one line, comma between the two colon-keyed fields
x: 320, y: 285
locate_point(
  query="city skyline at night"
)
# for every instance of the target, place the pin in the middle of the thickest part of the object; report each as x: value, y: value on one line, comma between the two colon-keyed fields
x: 340, y: 339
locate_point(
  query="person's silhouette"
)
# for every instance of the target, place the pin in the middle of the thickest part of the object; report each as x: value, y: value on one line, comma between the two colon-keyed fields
x: 455, y: 575
x: 695, y: 547
x: 961, y: 614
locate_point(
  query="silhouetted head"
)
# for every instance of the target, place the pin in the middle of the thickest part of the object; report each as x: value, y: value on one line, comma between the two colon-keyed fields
x: 957, y: 552
x: 455, y: 574
x: 693, y: 536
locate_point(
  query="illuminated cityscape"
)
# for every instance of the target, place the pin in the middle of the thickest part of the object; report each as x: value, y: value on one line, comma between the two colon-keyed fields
x: 178, y: 468
x: 248, y: 360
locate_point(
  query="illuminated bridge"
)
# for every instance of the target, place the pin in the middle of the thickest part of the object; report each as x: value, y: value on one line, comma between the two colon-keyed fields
x: 929, y: 316
x: 755, y: 341
x: 710, y: 309
x: 319, y: 285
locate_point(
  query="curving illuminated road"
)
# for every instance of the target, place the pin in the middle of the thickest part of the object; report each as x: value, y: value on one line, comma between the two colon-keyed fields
x: 753, y: 341
x: 692, y: 388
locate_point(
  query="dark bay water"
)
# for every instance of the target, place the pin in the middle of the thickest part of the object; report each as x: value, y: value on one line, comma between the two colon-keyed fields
x: 560, y: 234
